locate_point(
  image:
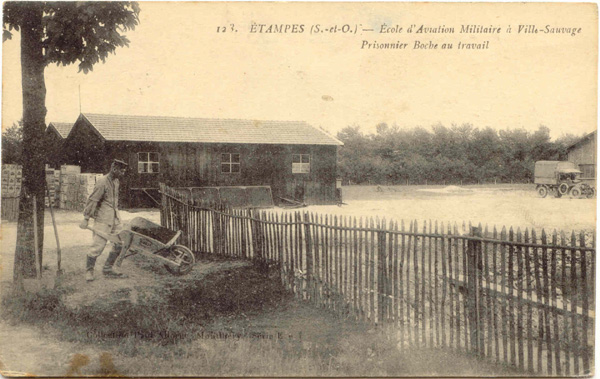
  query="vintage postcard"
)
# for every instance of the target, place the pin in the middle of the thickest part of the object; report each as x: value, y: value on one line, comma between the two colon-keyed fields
x: 298, y: 189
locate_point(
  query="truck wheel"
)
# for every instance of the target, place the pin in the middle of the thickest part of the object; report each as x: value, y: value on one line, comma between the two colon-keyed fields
x: 542, y: 191
x: 591, y: 193
x: 563, y: 188
x: 575, y: 192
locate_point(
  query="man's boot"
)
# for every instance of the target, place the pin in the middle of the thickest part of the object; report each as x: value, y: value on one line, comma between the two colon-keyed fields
x: 89, y: 268
x: 108, y: 270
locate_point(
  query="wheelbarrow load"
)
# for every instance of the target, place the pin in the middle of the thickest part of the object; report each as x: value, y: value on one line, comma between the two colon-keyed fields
x: 141, y: 236
x: 560, y: 178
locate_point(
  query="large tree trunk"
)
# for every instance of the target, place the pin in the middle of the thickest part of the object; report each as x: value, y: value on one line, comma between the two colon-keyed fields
x: 34, y: 116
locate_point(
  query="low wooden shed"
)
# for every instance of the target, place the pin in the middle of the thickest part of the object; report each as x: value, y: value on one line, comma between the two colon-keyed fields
x: 294, y: 158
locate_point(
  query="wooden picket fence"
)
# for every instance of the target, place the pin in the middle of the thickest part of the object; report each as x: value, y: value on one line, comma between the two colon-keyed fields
x: 521, y: 298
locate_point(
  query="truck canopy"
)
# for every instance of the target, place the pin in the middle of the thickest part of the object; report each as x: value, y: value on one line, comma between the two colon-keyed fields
x: 545, y: 171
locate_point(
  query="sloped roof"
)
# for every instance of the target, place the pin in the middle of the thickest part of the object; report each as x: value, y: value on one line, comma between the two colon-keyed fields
x: 63, y: 128
x: 583, y: 139
x: 206, y: 130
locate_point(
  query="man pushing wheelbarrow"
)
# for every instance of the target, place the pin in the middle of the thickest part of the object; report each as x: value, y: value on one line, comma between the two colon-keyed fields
x: 103, y: 207
x: 139, y: 236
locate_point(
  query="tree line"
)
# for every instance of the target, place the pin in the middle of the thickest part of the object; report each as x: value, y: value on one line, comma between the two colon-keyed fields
x: 456, y: 154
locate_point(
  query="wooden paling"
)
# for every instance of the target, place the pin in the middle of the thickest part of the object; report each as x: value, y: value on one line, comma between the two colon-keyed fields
x: 478, y: 291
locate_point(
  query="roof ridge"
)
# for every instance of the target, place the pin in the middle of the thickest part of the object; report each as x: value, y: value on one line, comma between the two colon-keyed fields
x: 193, y: 118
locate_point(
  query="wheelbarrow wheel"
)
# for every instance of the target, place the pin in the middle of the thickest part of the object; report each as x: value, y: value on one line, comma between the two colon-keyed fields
x: 182, y: 254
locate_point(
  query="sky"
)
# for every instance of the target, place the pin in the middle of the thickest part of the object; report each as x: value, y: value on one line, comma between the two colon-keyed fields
x: 178, y: 65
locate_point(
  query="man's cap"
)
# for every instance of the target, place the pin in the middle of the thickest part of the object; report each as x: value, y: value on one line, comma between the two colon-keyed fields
x: 118, y: 161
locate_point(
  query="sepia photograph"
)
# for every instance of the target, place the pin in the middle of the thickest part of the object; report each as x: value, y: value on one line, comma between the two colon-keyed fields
x: 298, y: 189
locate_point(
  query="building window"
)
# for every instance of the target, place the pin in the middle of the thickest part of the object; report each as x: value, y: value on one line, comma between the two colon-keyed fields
x: 230, y: 163
x: 300, y: 163
x: 148, y: 163
x: 588, y: 171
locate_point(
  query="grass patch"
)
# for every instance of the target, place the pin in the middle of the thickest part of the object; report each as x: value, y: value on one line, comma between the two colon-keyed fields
x: 173, y: 311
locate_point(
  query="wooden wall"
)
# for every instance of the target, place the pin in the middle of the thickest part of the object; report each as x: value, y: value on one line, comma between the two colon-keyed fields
x: 54, y: 149
x: 199, y: 165
x: 585, y: 152
x: 84, y: 147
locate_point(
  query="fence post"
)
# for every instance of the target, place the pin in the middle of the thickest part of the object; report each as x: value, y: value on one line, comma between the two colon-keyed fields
x: 474, y: 284
x: 309, y: 256
x: 381, y: 274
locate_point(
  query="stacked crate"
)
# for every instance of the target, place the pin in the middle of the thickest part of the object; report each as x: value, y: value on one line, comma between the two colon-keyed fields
x: 53, y: 184
x: 12, y: 176
x: 69, y: 187
x: 86, y: 186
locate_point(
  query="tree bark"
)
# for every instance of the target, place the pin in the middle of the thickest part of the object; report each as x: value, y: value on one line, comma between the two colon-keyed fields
x: 34, y: 116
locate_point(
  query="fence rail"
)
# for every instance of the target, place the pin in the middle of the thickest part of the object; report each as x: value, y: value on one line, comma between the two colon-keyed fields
x: 511, y: 296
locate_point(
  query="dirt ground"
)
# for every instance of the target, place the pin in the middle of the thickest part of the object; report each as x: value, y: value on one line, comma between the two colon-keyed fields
x: 500, y: 205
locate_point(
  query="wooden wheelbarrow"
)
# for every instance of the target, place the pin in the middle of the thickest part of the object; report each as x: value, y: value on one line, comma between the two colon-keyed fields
x: 142, y: 236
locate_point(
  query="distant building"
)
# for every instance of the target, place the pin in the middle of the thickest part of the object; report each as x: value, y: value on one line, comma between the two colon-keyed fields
x: 289, y: 156
x: 56, y: 132
x: 583, y: 154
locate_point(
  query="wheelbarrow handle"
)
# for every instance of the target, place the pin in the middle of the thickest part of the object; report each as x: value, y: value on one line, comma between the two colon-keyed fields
x: 110, y: 237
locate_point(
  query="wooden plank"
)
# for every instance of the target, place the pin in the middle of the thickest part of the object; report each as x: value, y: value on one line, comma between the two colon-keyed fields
x: 511, y: 304
x: 430, y: 281
x: 321, y: 249
x: 423, y: 278
x: 554, y: 296
x: 504, y: 277
x: 289, y: 263
x: 346, y: 262
x: 313, y: 230
x: 436, y: 308
x: 457, y: 301
x: 336, y: 262
x: 451, y: 289
x: 361, y: 266
x: 355, y: 268
x: 546, y: 300
x: 481, y: 317
x: 409, y: 326
x: 488, y: 298
x: 417, y: 281
x: 538, y: 286
x: 520, y: 279
x: 380, y: 270
x: 574, y: 295
x: 372, y: 273
x: 401, y: 283
x: 309, y: 255
x: 528, y: 291
x: 464, y: 243
x: 567, y: 360
x: 396, y: 304
x: 327, y: 255
x: 494, y: 308
x: 281, y: 244
x: 585, y: 305
x: 445, y: 274
x: 294, y: 261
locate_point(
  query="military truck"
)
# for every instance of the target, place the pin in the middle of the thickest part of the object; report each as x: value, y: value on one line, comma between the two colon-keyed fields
x: 561, y: 178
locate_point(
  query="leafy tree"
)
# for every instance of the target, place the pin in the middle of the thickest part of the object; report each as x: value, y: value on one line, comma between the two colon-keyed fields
x: 454, y: 154
x: 12, y: 144
x: 61, y: 33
